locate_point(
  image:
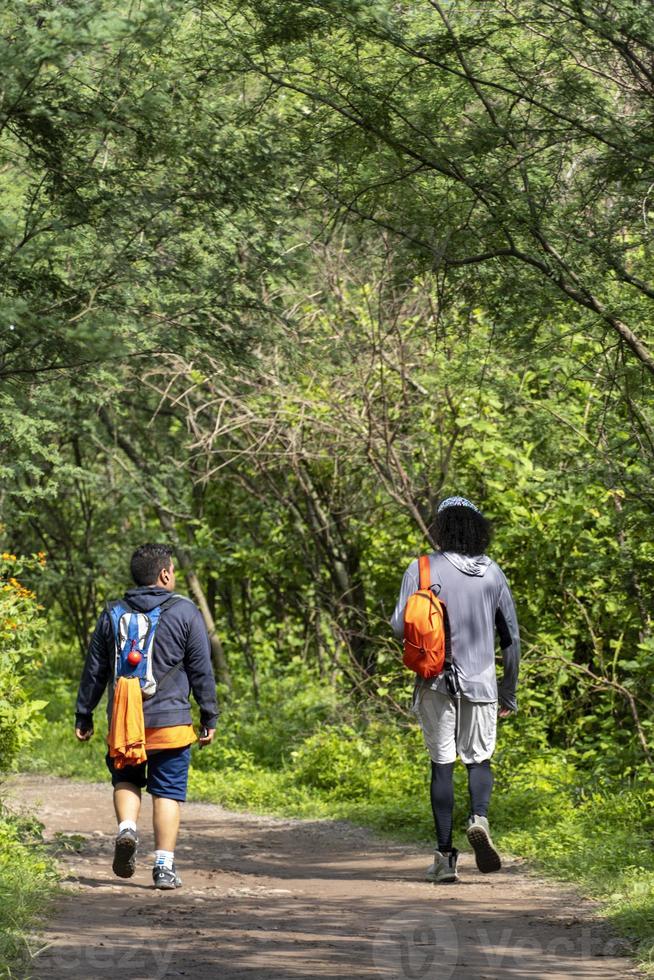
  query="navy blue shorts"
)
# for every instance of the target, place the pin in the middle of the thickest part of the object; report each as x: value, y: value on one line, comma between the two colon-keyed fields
x: 164, y: 774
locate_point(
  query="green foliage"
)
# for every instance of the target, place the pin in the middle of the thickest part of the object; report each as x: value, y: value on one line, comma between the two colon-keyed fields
x: 55, y: 748
x: 535, y: 128
x: 295, y: 410
x: 27, y: 875
x: 21, y: 627
x: 27, y: 887
x: 336, y: 760
x: 290, y: 707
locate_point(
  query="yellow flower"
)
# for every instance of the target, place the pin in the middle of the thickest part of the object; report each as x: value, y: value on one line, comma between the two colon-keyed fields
x: 20, y: 589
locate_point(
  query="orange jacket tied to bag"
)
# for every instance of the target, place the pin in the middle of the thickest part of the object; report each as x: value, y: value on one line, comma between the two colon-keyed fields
x: 127, y: 730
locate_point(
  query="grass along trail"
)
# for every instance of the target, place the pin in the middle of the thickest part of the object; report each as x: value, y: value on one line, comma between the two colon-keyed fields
x: 276, y: 899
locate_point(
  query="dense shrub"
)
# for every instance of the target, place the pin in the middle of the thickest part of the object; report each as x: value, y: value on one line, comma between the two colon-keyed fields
x: 27, y: 883
x: 27, y: 876
x: 20, y: 628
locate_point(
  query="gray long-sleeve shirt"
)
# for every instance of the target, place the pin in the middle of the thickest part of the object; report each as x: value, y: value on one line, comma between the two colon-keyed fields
x: 478, y: 601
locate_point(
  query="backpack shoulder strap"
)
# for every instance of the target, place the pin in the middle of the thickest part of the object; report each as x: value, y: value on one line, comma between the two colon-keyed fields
x: 424, y: 567
x: 115, y: 604
x: 115, y: 608
x: 448, y: 637
x: 172, y: 600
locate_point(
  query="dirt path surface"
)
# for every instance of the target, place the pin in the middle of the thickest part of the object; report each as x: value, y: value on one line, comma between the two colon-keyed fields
x: 269, y: 899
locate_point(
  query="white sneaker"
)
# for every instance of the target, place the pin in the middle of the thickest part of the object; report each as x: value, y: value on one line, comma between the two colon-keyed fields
x: 478, y: 833
x: 443, y: 867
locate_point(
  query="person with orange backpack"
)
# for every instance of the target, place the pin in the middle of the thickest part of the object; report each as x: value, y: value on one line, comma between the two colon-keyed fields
x: 451, y: 604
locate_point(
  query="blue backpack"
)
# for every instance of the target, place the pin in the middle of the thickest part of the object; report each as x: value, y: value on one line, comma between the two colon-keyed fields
x: 134, y: 640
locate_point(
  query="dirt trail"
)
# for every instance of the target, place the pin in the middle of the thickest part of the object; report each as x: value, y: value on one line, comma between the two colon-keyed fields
x: 269, y: 899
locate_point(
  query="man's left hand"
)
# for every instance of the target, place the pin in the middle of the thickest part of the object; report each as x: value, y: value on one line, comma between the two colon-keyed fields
x: 505, y: 712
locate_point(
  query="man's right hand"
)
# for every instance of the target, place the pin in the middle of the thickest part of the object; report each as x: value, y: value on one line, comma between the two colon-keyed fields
x: 83, y: 734
x: 206, y: 736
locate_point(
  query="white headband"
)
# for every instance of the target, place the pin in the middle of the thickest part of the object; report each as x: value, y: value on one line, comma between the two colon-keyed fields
x: 457, y: 502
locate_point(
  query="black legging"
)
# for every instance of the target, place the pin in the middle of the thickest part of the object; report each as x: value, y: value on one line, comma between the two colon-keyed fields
x: 480, y: 785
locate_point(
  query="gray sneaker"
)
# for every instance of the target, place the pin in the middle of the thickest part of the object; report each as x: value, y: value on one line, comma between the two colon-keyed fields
x: 165, y: 878
x: 478, y: 833
x: 124, y: 864
x: 443, y: 867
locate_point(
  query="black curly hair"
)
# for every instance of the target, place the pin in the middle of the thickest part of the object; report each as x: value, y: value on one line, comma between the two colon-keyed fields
x: 461, y: 529
x: 148, y: 561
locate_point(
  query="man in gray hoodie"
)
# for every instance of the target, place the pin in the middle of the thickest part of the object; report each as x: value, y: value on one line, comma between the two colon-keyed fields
x: 458, y: 709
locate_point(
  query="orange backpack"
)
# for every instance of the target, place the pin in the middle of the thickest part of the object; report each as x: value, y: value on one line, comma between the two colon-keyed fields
x: 425, y: 625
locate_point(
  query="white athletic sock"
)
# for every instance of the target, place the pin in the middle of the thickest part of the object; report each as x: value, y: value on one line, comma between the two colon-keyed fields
x: 124, y: 824
x: 164, y: 859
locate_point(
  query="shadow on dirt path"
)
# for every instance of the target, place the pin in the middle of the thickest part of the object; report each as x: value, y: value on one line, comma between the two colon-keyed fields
x: 278, y: 899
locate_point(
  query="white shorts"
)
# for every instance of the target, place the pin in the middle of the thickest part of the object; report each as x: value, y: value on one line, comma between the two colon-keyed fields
x: 451, y: 727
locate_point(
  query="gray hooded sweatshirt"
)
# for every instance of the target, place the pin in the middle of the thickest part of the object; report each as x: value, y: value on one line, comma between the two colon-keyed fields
x: 478, y: 601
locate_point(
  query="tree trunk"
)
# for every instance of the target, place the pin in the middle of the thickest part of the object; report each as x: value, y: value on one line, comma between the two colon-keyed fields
x: 343, y: 564
x: 250, y: 659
